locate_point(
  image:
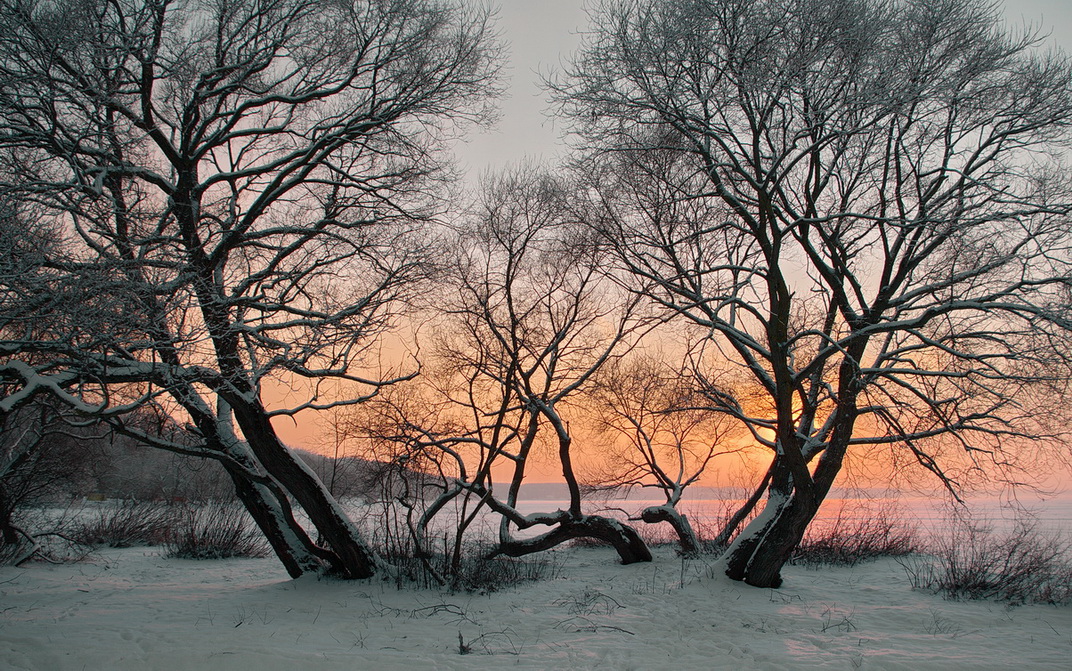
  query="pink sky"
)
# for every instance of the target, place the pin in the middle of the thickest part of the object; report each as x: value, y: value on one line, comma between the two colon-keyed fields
x: 540, y: 36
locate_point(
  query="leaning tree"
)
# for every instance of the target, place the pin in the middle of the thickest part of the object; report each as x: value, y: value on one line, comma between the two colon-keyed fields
x: 239, y: 190
x: 865, y: 204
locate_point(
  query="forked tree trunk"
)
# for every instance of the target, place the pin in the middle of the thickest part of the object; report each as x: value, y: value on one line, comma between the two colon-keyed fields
x: 265, y: 502
x: 348, y: 556
x: 762, y: 549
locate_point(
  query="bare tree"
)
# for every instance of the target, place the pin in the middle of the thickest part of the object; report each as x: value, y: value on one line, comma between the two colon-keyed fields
x: 430, y: 464
x: 866, y: 205
x: 240, y: 189
x: 529, y: 320
x: 660, y: 433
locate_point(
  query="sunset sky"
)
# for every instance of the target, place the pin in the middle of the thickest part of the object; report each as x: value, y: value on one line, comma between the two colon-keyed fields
x: 539, y: 38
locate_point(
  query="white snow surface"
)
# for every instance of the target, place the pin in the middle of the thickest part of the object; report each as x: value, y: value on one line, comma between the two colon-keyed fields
x: 133, y: 609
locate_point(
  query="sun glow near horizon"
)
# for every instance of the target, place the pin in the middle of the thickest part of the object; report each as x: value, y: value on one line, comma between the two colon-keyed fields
x: 540, y: 37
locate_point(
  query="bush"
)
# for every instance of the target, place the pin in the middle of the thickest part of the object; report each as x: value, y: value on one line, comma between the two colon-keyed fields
x: 44, y: 535
x: 477, y: 571
x: 214, y: 531
x: 124, y: 524
x: 1024, y: 565
x: 848, y: 541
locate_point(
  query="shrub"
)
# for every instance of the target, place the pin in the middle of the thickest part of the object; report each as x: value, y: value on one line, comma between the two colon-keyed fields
x: 437, y: 561
x: 124, y: 524
x: 1023, y: 565
x: 44, y: 535
x: 214, y: 531
x: 484, y: 574
x: 848, y: 541
x: 477, y: 571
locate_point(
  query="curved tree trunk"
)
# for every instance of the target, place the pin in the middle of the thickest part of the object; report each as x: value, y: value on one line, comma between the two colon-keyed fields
x: 762, y: 549
x: 622, y: 537
x: 263, y: 499
x: 571, y: 523
x: 687, y: 539
x: 759, y: 553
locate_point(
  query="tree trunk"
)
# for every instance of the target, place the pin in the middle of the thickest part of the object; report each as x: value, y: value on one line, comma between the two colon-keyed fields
x: 265, y: 501
x: 762, y: 549
x: 622, y: 537
x: 291, y: 544
x: 8, y: 535
x: 667, y: 513
x: 349, y: 557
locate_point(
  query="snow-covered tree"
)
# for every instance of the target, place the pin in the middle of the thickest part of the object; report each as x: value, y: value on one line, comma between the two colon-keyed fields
x: 237, y: 189
x: 526, y: 321
x: 865, y: 203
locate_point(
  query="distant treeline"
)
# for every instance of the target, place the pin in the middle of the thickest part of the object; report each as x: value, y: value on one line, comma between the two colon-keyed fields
x: 99, y: 464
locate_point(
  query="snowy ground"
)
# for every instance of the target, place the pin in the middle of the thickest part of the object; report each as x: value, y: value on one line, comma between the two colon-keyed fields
x: 132, y: 609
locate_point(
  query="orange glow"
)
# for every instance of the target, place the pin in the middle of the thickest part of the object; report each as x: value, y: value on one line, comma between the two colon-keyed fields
x: 865, y: 466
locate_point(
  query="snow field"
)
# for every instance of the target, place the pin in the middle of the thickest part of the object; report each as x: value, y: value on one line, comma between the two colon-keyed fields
x: 132, y: 609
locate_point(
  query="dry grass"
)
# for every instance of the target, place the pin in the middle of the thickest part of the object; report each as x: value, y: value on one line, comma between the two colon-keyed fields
x: 847, y: 541
x: 214, y: 531
x: 1023, y: 565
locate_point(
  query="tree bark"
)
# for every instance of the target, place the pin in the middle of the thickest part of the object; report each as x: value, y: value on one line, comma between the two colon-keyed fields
x: 622, y: 537
x: 758, y: 555
x: 290, y: 543
x: 762, y: 549
x: 8, y: 533
x: 680, y: 522
x: 349, y: 557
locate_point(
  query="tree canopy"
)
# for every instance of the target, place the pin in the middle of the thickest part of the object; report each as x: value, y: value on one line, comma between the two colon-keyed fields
x: 236, y: 189
x: 864, y: 203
